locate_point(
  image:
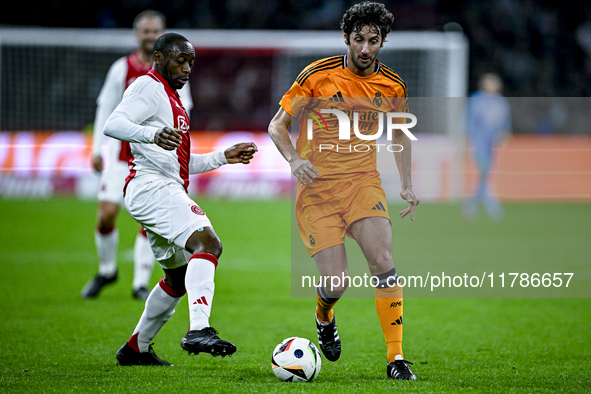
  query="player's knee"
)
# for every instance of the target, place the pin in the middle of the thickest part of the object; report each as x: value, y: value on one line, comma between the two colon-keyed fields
x: 335, y: 285
x: 381, y: 262
x: 337, y: 291
x: 211, y: 245
x: 215, y: 247
x: 204, y: 243
x: 107, y: 215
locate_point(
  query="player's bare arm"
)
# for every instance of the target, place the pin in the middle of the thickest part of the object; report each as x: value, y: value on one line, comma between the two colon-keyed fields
x: 403, y: 162
x: 241, y: 153
x: 168, y: 138
x: 97, y: 163
x: 302, y: 169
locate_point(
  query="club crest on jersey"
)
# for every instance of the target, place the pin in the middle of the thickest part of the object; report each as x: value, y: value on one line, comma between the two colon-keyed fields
x: 196, y: 210
x: 182, y: 123
x: 377, y: 100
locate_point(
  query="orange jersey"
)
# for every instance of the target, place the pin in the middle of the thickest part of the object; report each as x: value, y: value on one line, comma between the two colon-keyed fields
x: 329, y: 84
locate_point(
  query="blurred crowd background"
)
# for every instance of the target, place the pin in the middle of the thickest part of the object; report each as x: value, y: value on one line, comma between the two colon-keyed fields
x: 538, y: 47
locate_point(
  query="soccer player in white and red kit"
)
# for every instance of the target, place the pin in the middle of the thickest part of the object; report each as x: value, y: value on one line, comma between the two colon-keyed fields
x: 148, y: 26
x: 151, y: 117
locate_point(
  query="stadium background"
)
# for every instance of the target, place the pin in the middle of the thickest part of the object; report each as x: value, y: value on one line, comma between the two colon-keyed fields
x: 541, y: 49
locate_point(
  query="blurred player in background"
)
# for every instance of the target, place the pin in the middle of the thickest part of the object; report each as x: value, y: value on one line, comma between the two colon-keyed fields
x: 151, y: 117
x: 488, y: 123
x: 339, y: 192
x: 148, y: 26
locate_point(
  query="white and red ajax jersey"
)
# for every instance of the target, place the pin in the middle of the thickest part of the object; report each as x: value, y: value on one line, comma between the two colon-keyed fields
x: 121, y: 74
x: 148, y: 105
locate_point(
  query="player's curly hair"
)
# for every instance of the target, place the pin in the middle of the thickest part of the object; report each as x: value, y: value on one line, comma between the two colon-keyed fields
x: 372, y: 14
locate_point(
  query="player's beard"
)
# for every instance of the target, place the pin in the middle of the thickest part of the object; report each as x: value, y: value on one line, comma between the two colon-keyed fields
x: 360, y: 65
x: 148, y: 47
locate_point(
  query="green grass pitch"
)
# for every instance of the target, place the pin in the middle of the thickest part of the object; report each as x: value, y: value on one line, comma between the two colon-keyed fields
x: 51, y: 340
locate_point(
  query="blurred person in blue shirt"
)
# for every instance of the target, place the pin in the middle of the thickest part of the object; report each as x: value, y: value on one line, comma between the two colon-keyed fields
x: 488, y: 122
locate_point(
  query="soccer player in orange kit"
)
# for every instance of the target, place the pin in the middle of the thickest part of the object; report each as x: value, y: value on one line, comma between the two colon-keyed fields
x: 339, y: 190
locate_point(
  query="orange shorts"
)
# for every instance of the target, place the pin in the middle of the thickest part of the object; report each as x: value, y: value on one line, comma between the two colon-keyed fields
x: 325, y: 209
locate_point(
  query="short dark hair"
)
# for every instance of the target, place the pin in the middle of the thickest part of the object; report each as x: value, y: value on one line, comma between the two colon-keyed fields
x: 368, y: 13
x: 166, y: 40
x: 149, y: 14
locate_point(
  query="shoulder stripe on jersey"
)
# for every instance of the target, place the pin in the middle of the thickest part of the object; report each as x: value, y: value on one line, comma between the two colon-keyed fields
x: 390, y: 75
x: 329, y: 61
x: 315, y: 68
x: 320, y: 63
x: 393, y: 74
x: 328, y: 67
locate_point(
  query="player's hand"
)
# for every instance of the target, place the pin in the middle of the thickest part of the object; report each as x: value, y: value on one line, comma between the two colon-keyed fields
x: 303, y: 170
x: 241, y: 153
x: 408, y: 195
x: 168, y: 138
x: 97, y: 163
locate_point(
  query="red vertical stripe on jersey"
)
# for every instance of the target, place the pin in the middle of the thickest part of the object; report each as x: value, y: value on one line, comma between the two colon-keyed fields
x: 183, y: 157
x: 181, y: 121
x: 135, y: 69
x: 132, y: 173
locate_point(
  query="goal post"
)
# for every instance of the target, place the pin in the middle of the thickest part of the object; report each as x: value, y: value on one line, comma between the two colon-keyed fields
x: 51, y: 77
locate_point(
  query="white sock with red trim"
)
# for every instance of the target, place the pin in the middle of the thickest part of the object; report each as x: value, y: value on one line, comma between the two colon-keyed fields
x: 200, y: 288
x: 143, y: 261
x: 160, y: 306
x: 106, y: 241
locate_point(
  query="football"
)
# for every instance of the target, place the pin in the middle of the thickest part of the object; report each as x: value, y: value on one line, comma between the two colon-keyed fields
x: 296, y: 359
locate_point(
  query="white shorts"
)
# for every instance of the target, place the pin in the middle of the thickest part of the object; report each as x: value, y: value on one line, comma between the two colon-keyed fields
x: 167, y: 213
x: 112, y: 182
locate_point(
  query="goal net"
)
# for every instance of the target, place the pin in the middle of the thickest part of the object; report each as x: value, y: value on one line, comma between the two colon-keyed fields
x: 50, y: 78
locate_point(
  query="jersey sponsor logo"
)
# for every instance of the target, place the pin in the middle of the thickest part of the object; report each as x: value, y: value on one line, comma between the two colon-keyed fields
x: 182, y: 123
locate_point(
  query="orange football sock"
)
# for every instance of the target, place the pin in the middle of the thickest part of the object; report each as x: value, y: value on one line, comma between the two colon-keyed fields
x: 324, y: 306
x: 389, y: 309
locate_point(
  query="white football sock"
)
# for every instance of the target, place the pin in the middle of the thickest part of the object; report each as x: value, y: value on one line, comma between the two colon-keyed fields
x: 143, y: 262
x: 160, y: 306
x: 200, y: 288
x: 106, y: 248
